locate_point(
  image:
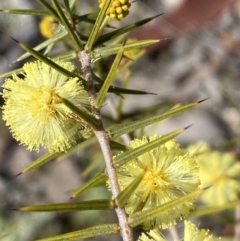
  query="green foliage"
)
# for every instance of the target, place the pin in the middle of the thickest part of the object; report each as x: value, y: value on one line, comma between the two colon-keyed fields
x: 85, y: 119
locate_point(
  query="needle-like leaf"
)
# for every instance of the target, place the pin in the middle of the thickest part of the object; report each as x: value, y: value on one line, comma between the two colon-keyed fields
x: 98, y: 204
x: 123, y: 196
x: 121, y: 129
x: 151, y: 213
x: 105, y: 229
x: 98, y: 180
x: 212, y: 210
x: 114, y: 34
x: 100, y: 18
x: 48, y: 61
x: 49, y: 8
x: 109, y: 80
x: 124, y: 157
x: 58, y: 36
x: 102, y: 52
x: 69, y: 28
x: 26, y: 12
x: 82, y: 114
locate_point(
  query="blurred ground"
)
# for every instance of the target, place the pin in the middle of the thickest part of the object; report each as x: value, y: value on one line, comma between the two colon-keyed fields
x: 201, y: 59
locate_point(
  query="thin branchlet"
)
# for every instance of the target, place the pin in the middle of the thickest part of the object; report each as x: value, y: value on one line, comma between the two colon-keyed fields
x: 103, y: 139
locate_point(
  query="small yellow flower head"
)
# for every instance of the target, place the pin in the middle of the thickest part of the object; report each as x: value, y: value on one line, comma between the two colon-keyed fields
x: 47, y: 26
x: 192, y: 233
x: 170, y: 173
x: 220, y: 171
x: 118, y: 9
x: 34, y: 112
x: 152, y: 235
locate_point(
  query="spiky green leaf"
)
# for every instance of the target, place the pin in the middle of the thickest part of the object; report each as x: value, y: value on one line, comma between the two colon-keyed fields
x: 26, y: 12
x: 80, y: 145
x: 69, y: 28
x: 109, y: 80
x: 102, y: 52
x: 49, y: 62
x: 121, y: 129
x: 58, y: 36
x: 65, y: 56
x: 89, y: 17
x: 98, y: 180
x: 117, y: 146
x: 117, y: 90
x: 67, y: 8
x: 98, y: 24
x: 124, y: 195
x: 114, y: 34
x: 124, y: 157
x: 139, y: 113
x: 49, y: 8
x: 10, y: 73
x: 212, y: 210
x: 149, y: 214
x: 98, y: 204
x: 105, y: 229
x: 82, y: 113
x: 40, y: 161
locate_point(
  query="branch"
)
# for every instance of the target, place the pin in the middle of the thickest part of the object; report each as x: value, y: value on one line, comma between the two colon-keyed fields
x: 103, y: 139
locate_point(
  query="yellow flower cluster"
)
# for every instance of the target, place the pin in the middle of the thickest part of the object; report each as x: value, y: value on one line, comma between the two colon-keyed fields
x: 47, y: 26
x: 35, y: 113
x: 169, y: 173
x: 152, y: 235
x: 118, y: 9
x: 218, y: 171
x: 191, y: 233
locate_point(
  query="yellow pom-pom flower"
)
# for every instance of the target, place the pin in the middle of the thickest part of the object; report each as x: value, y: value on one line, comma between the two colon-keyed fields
x: 35, y: 113
x: 152, y: 235
x: 191, y: 233
x: 47, y: 26
x: 118, y: 9
x: 218, y: 171
x: 169, y: 173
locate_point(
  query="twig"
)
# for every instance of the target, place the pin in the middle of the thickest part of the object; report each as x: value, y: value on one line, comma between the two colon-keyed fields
x: 103, y: 139
x: 174, y: 233
x: 125, y: 138
x: 237, y: 224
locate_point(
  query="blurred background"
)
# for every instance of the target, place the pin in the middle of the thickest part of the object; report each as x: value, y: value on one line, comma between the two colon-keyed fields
x: 198, y: 57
